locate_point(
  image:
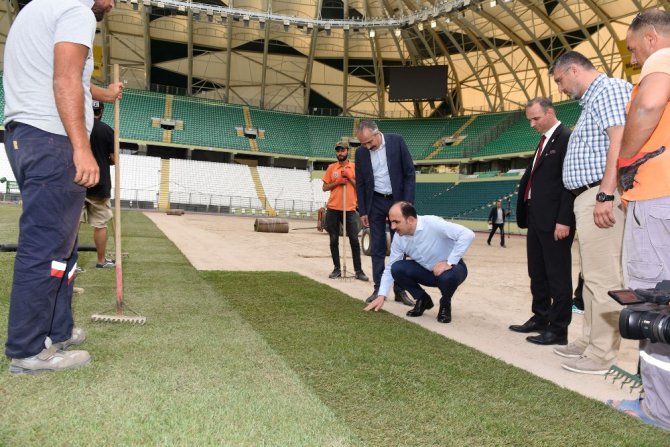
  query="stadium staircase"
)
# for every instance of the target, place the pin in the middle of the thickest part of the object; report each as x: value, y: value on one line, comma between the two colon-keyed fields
x: 164, y: 191
x: 260, y: 191
x: 249, y: 124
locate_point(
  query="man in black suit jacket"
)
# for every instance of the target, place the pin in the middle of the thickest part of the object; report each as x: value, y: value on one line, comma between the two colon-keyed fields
x: 497, y: 214
x: 384, y: 175
x: 544, y: 206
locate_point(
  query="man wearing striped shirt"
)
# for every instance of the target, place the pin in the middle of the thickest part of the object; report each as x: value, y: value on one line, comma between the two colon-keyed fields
x: 589, y: 171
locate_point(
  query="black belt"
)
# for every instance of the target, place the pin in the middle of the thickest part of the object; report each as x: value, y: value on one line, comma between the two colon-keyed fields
x: 581, y: 189
x: 386, y: 196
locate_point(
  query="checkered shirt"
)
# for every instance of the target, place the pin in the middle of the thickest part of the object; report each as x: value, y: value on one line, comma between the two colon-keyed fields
x: 603, y: 106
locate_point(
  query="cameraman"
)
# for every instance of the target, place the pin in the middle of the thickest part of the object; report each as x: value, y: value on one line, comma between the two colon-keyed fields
x: 647, y: 232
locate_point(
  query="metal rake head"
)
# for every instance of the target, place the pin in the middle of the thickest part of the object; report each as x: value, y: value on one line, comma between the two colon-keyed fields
x: 632, y: 380
x: 118, y: 319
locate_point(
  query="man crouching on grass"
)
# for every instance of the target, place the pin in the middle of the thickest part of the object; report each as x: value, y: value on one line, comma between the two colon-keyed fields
x: 436, y: 248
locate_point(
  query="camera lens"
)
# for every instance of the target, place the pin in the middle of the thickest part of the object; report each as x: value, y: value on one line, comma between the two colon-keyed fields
x: 636, y: 324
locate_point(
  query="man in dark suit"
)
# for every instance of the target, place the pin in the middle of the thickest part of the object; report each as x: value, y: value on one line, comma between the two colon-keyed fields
x: 544, y: 206
x: 497, y: 220
x: 384, y: 175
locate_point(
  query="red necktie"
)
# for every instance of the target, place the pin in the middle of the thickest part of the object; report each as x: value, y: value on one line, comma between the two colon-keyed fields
x: 537, y: 157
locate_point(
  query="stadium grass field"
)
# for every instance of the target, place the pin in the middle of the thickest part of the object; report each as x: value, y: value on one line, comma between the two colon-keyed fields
x: 275, y: 359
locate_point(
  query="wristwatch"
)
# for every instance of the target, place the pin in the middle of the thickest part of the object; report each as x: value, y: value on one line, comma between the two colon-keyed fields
x: 602, y: 197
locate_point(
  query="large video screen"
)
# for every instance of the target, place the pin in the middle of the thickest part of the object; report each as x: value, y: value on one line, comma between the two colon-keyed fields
x: 417, y: 83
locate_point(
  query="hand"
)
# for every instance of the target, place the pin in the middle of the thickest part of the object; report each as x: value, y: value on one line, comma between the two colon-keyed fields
x: 115, y: 90
x: 603, y: 214
x: 341, y: 181
x: 344, y: 173
x: 377, y: 304
x: 561, y: 232
x: 365, y: 222
x: 87, y: 170
x: 441, y: 267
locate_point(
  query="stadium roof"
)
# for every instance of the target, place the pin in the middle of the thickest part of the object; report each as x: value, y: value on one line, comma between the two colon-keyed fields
x: 303, y: 54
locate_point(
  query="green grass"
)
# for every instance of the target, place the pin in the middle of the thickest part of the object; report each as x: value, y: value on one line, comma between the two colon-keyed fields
x: 256, y: 359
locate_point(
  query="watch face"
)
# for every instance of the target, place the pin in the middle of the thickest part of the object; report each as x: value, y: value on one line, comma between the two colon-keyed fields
x: 602, y: 197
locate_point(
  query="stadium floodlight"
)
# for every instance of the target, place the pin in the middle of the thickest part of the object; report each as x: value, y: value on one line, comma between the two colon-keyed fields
x: 397, y: 32
x: 420, y: 26
x: 286, y: 25
x: 433, y: 24
x: 310, y: 27
x: 372, y: 33
x: 245, y: 20
x: 261, y: 22
x: 493, y: 3
x: 327, y: 28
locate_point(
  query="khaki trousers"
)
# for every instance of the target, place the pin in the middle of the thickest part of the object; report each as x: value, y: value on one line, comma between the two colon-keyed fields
x: 600, y: 251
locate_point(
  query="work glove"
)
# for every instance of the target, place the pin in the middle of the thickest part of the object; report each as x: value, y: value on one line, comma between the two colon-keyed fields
x: 628, y: 167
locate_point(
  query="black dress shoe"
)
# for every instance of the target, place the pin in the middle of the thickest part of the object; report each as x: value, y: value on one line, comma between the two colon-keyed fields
x: 444, y: 315
x: 403, y: 297
x: 372, y: 297
x: 421, y: 305
x: 528, y: 326
x: 548, y: 338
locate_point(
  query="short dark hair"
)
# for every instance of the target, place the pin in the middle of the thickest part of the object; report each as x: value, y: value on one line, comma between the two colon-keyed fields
x: 369, y: 125
x: 569, y: 58
x: 545, y: 103
x: 657, y: 18
x: 407, y: 209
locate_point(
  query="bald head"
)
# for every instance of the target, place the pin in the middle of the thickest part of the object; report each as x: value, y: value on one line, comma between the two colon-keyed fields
x: 648, y: 32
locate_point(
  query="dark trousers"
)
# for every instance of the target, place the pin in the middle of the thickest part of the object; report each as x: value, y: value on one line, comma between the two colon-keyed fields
x: 550, y: 271
x: 41, y: 298
x: 411, y: 276
x: 333, y: 222
x: 494, y: 227
x: 377, y: 220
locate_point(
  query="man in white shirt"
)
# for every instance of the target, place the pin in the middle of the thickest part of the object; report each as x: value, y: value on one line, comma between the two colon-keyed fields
x: 48, y: 120
x: 436, y: 248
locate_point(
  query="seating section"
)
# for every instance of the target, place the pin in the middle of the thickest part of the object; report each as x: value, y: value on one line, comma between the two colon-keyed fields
x: 285, y: 133
x: 568, y: 112
x: 208, y: 123
x: 419, y: 134
x: 212, y: 185
x: 137, y: 109
x: 290, y: 189
x: 466, y: 200
x: 140, y: 180
x: 324, y: 132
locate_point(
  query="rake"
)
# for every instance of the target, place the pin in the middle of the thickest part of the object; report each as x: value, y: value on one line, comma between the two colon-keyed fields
x: 632, y: 380
x: 119, y: 315
x: 344, y: 276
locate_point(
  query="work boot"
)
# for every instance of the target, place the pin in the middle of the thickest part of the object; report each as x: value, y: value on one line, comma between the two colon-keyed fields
x: 49, y: 360
x: 78, y: 337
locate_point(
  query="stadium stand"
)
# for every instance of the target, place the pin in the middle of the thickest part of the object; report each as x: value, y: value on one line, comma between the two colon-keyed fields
x: 140, y: 181
x: 208, y: 123
x: 137, y: 109
x: 209, y: 186
x: 324, y: 132
x: 289, y: 189
x: 465, y: 200
x: 285, y: 133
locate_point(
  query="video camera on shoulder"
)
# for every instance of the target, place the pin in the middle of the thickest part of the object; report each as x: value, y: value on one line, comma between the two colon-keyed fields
x: 649, y: 314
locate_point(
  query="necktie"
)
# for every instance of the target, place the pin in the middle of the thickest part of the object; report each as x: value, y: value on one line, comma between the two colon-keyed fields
x: 537, y: 158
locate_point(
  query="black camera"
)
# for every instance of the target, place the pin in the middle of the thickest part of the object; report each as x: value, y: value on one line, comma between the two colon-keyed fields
x: 650, y: 320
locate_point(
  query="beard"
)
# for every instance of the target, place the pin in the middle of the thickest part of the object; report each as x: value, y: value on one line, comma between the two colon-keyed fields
x: 98, y: 12
x: 341, y: 158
